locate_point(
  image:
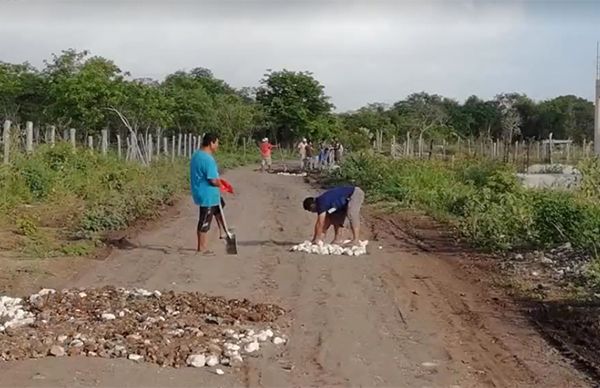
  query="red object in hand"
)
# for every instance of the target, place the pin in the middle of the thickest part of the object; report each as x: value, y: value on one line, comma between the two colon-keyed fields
x: 226, y: 186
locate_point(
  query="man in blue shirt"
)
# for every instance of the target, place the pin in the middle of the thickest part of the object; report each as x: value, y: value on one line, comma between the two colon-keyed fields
x: 333, y: 207
x: 205, y: 185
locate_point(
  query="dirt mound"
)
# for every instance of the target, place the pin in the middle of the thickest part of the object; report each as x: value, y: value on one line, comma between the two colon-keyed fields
x: 164, y: 328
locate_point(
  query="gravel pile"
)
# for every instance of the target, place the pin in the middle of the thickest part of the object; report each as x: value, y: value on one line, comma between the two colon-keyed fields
x: 169, y: 329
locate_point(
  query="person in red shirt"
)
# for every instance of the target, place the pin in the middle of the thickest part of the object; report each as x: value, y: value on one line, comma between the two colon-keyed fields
x: 265, y: 153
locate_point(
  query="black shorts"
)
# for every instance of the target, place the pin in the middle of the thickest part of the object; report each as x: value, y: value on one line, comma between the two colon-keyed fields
x: 206, y: 216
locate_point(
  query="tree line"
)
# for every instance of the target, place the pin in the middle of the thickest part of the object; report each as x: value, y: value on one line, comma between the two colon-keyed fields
x: 77, y: 90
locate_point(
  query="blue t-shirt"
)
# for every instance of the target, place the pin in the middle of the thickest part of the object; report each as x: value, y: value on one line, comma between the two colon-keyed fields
x: 203, y: 168
x: 334, y: 199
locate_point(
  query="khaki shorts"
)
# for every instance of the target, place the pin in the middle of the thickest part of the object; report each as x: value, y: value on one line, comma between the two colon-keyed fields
x: 351, y: 212
x: 266, y: 161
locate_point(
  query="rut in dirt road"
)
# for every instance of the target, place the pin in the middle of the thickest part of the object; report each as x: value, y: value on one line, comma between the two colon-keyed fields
x: 399, y: 316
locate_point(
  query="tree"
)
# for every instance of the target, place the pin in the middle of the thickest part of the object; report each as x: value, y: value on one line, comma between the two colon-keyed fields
x: 293, y: 102
x: 81, y: 89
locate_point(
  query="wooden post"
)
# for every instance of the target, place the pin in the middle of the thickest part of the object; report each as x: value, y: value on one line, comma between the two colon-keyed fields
x: 65, y: 134
x: 157, y: 146
x: 119, y: 146
x: 91, y: 143
x: 550, y: 150
x: 52, y: 136
x: 173, y: 148
x: 538, y: 146
x: 29, y: 137
x: 72, y: 137
x: 166, y: 146
x: 568, y: 152
x: 104, y: 144
x: 6, y: 140
x: 179, y: 145
x: 128, y: 156
x: 150, y: 147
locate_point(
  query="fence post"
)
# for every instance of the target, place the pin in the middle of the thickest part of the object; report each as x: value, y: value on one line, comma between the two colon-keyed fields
x: 52, y: 136
x: 568, y: 152
x: 91, y: 143
x: 104, y: 143
x: 173, y: 148
x: 165, y: 146
x: 119, y: 146
x: 72, y: 137
x: 150, y: 147
x: 6, y: 139
x: 29, y: 137
x: 184, y: 148
x: 179, y: 145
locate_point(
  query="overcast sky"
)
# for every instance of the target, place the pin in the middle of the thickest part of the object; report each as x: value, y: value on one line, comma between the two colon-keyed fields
x: 362, y: 51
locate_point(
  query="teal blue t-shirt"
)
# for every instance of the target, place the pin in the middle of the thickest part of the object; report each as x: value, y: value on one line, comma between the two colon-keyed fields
x: 203, y: 168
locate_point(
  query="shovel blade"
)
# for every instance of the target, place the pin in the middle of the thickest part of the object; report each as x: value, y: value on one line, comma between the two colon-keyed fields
x: 231, y: 244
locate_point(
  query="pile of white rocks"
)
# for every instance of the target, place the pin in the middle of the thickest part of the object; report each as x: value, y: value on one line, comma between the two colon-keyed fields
x: 13, y: 314
x: 292, y: 174
x: 322, y: 248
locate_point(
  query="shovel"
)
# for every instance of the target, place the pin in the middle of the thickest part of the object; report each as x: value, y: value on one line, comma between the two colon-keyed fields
x: 230, y: 240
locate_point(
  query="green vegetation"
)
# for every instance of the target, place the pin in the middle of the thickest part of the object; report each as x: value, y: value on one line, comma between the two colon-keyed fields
x: 484, y: 200
x: 58, y: 201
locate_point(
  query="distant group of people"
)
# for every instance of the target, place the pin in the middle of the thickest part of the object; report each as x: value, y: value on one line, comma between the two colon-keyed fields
x: 322, y: 156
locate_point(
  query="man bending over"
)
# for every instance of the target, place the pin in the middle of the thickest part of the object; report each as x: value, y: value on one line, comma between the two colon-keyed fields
x: 333, y: 207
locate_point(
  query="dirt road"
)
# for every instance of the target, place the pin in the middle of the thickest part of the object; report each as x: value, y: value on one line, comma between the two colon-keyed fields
x: 399, y: 317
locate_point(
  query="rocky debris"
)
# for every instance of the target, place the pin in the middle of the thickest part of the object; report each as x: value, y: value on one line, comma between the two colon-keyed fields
x: 331, y: 249
x: 563, y: 264
x: 219, y: 371
x: 165, y: 328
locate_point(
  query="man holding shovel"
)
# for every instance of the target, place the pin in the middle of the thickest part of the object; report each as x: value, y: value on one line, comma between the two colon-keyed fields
x: 333, y: 207
x: 205, y: 185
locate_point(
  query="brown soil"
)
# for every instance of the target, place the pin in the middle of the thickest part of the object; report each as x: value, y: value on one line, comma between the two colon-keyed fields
x: 415, y: 312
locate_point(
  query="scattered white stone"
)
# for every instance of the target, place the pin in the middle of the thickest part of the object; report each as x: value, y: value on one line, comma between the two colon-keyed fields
x: 331, y: 249
x: 76, y: 343
x: 212, y: 360
x: 62, y: 338
x: 82, y: 294
x: 219, y: 371
x: 518, y: 256
x: 230, y: 346
x: 108, y: 316
x: 157, y: 293
x: 57, y: 351
x: 251, y: 347
x: 196, y: 360
x: 262, y: 336
x: 225, y: 361
x: 535, y: 273
x: 121, y: 314
x: 428, y: 364
x: 278, y: 340
x: 135, y: 357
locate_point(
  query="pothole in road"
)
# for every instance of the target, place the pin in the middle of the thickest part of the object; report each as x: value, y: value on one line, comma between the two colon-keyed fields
x: 168, y: 329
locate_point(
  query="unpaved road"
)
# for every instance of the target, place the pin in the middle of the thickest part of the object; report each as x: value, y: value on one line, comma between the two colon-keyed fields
x: 398, y: 317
